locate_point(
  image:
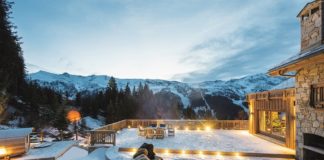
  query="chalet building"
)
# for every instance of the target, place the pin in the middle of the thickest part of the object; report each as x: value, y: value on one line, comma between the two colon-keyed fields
x: 14, y: 142
x: 294, y: 117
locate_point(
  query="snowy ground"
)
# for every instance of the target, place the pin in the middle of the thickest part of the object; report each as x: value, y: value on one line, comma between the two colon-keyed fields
x: 92, y: 123
x: 113, y: 154
x: 56, y: 149
x: 74, y: 153
x: 215, y: 140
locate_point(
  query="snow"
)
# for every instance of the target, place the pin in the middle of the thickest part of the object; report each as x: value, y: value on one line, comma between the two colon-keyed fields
x: 289, y: 83
x: 4, y: 127
x: 92, y: 123
x: 55, y: 150
x: 215, y: 140
x: 98, y: 154
x: 52, y: 131
x: 13, y: 133
x: 113, y: 154
x: 74, y: 153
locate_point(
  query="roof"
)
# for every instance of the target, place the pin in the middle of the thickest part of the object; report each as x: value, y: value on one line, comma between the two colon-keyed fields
x: 299, y: 57
x: 309, y: 3
x: 13, y: 133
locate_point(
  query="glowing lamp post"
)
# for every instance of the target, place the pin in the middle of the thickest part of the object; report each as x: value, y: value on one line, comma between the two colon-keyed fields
x: 74, y: 116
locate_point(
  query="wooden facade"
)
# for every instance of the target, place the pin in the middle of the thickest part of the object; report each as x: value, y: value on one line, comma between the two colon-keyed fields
x: 277, y: 101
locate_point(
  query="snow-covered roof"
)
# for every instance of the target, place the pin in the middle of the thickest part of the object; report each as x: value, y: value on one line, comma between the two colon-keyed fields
x: 298, y: 57
x: 13, y: 133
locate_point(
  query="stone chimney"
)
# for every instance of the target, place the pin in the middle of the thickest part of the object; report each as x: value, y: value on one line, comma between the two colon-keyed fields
x: 311, y: 20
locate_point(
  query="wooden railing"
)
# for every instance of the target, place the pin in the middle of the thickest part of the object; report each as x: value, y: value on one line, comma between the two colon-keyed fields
x: 114, y: 126
x: 102, y: 137
x: 107, y: 133
x: 179, y: 124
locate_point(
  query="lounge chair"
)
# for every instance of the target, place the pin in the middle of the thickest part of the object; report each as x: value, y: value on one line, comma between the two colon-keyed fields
x: 150, y: 134
x: 141, y: 131
x: 159, y: 133
x: 171, y: 130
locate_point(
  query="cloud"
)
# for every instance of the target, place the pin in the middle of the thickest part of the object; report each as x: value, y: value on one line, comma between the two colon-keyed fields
x: 170, y: 39
x: 267, y: 35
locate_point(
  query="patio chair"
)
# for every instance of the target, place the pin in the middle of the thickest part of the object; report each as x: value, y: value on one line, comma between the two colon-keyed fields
x: 159, y: 133
x: 150, y: 134
x: 171, y: 131
x: 141, y: 131
x: 162, y: 125
x: 153, y: 125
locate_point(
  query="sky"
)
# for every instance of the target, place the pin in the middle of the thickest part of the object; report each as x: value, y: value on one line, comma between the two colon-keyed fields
x: 184, y: 40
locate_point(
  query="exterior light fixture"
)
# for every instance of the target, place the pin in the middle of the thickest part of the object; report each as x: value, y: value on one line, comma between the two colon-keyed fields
x: 3, y: 152
x: 207, y: 128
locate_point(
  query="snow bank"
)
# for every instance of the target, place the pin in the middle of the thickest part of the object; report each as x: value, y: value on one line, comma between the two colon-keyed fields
x: 74, y: 153
x: 92, y: 123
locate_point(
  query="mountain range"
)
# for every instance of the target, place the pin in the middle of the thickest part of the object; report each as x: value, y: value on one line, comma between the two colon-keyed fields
x: 208, y: 95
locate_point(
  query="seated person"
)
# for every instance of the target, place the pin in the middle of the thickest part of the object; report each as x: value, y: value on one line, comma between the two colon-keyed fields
x: 146, y: 151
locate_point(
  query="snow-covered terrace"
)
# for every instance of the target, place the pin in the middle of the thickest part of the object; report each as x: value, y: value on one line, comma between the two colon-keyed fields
x: 229, y: 138
x: 218, y: 141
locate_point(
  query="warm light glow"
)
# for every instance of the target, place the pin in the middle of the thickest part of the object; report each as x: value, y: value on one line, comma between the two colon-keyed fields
x: 201, y: 153
x: 3, y: 151
x: 134, y: 150
x: 219, y: 155
x: 244, y: 133
x: 166, y: 151
x: 73, y: 116
x: 198, y: 129
x: 129, y: 126
x: 187, y: 129
x: 237, y: 155
x: 207, y: 128
x: 183, y: 152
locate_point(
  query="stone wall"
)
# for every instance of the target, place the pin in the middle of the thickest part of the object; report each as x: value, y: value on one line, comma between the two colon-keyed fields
x: 309, y: 120
x: 311, y: 31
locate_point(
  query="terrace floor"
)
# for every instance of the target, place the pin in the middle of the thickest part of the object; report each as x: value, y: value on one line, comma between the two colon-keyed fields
x: 214, y: 140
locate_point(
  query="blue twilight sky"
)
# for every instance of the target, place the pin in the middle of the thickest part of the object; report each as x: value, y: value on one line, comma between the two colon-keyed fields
x: 186, y: 40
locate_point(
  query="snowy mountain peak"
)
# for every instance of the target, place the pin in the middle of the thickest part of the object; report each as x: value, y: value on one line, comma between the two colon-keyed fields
x: 234, y: 89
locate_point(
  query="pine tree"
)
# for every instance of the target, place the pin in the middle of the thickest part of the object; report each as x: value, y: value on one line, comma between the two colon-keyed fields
x: 12, y: 67
x: 128, y: 90
x: 61, y: 122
